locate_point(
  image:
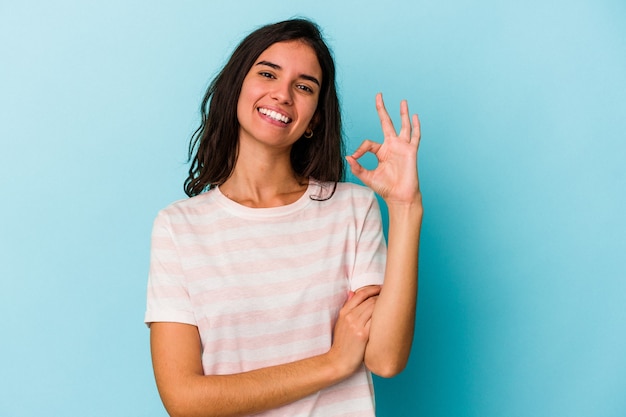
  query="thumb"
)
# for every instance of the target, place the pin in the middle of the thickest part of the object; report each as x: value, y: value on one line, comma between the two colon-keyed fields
x: 357, y: 169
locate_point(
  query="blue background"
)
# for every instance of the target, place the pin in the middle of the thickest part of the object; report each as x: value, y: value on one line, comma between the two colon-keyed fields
x: 523, y: 106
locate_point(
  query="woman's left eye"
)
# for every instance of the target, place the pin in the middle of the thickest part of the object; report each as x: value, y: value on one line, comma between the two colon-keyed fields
x: 305, y: 88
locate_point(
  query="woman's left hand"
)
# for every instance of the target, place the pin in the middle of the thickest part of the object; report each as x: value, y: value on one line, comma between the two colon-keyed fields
x: 395, y: 178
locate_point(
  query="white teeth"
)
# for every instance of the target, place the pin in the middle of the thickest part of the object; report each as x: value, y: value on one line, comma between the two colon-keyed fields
x: 274, y: 115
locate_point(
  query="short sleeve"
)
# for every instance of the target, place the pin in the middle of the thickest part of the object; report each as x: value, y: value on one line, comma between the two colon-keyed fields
x: 167, y: 296
x: 371, y: 249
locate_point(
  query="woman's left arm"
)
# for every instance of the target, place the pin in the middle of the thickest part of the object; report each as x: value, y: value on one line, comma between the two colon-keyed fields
x: 395, y: 179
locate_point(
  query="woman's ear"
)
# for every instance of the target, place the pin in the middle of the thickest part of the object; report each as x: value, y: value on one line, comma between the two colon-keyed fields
x: 314, y: 120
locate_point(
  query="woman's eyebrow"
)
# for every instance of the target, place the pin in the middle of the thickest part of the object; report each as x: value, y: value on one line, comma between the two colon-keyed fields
x: 278, y: 67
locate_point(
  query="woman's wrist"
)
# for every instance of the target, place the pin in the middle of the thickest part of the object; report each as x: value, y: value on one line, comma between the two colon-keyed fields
x: 411, y: 207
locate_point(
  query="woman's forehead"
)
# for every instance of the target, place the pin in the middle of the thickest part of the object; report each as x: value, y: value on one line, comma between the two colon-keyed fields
x: 292, y: 55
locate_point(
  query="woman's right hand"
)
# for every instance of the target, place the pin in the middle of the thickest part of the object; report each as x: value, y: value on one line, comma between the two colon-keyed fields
x: 352, y: 329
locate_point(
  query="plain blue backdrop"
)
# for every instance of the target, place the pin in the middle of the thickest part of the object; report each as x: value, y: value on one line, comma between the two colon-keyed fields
x: 522, y: 280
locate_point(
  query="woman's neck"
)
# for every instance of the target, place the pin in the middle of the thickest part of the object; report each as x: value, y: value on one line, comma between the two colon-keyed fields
x: 264, y: 181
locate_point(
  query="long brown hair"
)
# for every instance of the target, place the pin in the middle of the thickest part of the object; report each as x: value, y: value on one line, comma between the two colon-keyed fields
x: 214, y: 145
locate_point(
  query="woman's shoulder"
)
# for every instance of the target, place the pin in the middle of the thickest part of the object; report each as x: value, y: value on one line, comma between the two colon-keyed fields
x: 346, y: 192
x: 355, y: 190
x: 353, y: 187
x: 198, y: 204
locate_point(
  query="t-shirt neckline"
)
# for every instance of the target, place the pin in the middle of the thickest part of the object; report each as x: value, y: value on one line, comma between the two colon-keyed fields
x: 266, y: 212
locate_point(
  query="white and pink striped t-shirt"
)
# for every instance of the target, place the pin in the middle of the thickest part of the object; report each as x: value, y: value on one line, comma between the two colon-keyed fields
x: 264, y: 286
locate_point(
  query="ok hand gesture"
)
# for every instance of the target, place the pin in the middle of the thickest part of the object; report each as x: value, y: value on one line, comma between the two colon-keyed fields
x: 395, y: 178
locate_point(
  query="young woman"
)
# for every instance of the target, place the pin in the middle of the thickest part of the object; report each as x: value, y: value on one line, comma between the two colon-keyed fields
x: 266, y: 286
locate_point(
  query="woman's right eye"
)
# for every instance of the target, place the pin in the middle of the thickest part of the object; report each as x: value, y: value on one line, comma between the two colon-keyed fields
x: 266, y: 74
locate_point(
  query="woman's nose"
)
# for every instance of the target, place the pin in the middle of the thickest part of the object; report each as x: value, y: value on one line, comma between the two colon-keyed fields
x: 282, y: 92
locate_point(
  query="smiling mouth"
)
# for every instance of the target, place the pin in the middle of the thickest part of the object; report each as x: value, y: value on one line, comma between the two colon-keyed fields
x: 274, y: 115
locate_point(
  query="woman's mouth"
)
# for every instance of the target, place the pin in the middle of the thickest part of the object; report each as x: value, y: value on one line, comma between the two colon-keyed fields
x: 274, y: 115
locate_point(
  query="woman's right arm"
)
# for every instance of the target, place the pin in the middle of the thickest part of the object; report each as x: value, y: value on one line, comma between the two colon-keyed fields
x: 186, y: 391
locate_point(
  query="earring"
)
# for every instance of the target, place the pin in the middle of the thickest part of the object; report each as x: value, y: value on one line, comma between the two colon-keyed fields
x: 308, y: 133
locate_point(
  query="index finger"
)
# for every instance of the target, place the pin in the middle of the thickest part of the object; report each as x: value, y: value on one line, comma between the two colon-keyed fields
x: 366, y: 292
x: 361, y: 294
x: 385, y: 120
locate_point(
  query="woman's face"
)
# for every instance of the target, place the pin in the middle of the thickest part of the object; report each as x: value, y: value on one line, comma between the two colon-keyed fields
x: 279, y: 95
